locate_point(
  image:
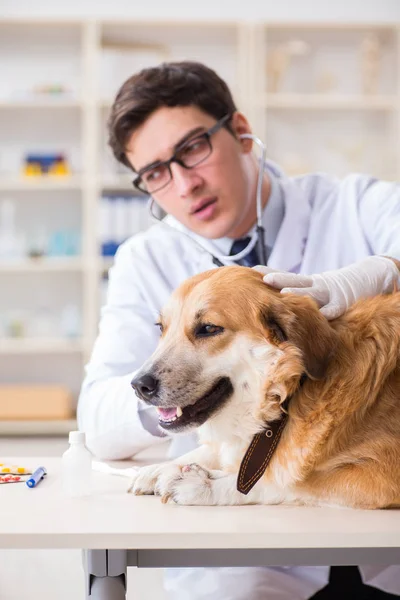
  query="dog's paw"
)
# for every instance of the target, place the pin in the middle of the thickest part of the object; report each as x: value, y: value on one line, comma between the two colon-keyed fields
x: 192, y: 486
x: 146, y: 479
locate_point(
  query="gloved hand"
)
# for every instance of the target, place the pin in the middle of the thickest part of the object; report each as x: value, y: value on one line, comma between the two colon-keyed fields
x: 335, y: 291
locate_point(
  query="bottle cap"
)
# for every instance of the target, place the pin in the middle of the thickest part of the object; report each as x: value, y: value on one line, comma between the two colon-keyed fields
x: 77, y: 437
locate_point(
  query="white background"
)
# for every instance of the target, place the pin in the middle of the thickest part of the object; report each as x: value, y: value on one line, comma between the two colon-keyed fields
x: 378, y: 11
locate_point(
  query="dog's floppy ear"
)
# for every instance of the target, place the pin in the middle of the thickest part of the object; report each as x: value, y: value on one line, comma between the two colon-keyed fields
x: 300, y: 323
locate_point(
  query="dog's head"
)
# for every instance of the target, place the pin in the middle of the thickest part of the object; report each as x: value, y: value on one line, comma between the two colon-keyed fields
x: 226, y: 335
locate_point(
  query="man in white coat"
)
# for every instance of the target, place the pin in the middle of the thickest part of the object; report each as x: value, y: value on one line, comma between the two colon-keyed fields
x: 177, y: 127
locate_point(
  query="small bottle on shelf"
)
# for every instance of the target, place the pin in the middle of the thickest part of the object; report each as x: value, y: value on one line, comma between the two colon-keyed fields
x: 77, y: 466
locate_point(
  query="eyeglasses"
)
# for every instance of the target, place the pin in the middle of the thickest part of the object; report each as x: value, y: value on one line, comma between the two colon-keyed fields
x: 190, y: 154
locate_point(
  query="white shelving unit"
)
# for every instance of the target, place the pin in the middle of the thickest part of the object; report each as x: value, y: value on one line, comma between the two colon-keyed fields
x: 316, y: 117
x: 41, y: 346
x: 337, y: 102
x: 40, y: 104
x: 37, y: 428
x: 42, y: 265
x: 92, y: 59
x: 11, y: 183
x: 333, y: 91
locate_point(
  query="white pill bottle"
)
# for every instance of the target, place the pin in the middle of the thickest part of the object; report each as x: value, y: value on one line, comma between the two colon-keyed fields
x: 76, y: 466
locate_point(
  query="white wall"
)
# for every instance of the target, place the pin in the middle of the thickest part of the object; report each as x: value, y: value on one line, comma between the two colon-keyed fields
x: 377, y: 11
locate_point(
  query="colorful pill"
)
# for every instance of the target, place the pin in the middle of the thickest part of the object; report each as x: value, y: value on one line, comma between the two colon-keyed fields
x: 21, y: 470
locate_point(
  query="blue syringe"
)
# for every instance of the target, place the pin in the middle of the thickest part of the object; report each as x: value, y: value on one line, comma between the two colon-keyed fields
x: 36, y: 477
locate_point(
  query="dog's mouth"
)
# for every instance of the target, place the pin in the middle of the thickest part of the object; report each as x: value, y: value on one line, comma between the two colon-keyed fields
x: 177, y: 418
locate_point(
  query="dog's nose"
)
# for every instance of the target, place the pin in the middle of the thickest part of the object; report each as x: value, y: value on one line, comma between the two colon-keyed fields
x: 146, y: 386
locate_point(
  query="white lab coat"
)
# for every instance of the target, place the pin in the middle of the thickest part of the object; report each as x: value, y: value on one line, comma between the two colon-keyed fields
x: 327, y: 224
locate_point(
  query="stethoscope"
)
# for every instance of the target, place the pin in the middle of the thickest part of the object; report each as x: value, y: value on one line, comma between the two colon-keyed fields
x: 258, y: 235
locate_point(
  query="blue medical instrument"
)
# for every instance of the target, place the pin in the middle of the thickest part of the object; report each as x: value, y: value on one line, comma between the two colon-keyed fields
x: 36, y: 477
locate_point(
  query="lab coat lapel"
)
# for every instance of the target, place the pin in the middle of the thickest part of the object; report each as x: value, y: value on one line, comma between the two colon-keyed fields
x: 287, y: 253
x: 203, y: 262
x: 197, y: 251
x: 200, y: 259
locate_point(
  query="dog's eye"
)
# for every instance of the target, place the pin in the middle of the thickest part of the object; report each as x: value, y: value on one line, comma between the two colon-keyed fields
x: 208, y: 330
x: 160, y: 326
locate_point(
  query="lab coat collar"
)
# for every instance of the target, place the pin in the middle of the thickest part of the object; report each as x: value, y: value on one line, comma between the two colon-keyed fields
x: 287, y: 253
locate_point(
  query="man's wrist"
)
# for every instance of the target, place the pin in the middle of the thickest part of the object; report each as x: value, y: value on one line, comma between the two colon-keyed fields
x: 396, y: 277
x: 395, y: 260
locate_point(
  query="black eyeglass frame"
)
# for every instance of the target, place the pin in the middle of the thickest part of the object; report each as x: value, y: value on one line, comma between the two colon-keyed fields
x: 174, y: 158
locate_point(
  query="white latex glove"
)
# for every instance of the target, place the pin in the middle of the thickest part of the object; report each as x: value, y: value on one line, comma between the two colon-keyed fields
x: 335, y: 291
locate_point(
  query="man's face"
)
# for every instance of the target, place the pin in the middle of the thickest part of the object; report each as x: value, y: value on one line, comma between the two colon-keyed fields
x: 214, y: 199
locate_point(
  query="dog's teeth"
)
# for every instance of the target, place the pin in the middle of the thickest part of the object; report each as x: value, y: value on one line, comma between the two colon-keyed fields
x: 168, y: 420
x: 178, y: 413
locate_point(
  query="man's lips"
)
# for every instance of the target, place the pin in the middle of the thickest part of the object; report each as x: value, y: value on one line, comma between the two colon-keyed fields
x: 202, y: 205
x: 206, y: 210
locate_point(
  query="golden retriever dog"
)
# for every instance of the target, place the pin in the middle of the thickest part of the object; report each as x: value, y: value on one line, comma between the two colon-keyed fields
x: 236, y: 358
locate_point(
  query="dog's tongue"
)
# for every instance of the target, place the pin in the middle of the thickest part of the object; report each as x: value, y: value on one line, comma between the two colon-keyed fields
x: 167, y: 413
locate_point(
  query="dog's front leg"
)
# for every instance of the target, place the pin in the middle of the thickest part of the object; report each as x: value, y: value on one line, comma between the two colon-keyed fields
x: 152, y: 479
x: 198, y: 486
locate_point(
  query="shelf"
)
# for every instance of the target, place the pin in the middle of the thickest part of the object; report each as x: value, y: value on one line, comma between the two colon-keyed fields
x: 328, y: 102
x: 25, y: 428
x: 106, y: 262
x: 44, y: 265
x: 40, y: 103
x: 40, y: 346
x: 337, y: 26
x: 19, y: 183
x: 120, y: 182
x: 106, y: 104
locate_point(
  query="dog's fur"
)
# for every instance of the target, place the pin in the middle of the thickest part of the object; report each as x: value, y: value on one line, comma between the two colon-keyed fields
x: 341, y: 444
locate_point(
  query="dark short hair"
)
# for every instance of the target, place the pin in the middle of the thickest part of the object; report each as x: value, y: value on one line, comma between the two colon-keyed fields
x: 168, y: 84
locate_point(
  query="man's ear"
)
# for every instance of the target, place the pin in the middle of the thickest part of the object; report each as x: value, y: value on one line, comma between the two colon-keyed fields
x: 240, y: 126
x: 300, y: 323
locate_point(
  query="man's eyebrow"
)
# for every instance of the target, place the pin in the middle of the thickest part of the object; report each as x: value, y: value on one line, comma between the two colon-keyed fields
x: 176, y: 146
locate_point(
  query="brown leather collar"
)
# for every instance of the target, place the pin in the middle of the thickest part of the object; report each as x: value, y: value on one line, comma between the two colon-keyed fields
x: 261, y: 450
x: 259, y: 454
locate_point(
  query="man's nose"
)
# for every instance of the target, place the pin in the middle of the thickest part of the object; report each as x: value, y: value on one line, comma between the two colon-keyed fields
x: 185, y: 180
x: 146, y: 386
